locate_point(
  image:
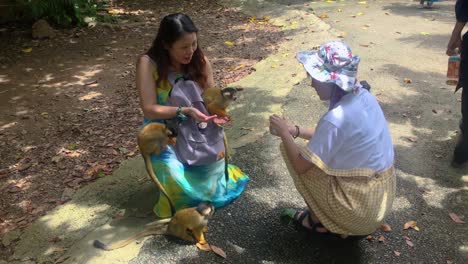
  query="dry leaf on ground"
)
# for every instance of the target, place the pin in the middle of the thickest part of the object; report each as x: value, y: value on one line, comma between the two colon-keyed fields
x: 381, y: 238
x: 456, y: 219
x: 410, y: 224
x: 396, y: 253
x: 407, y: 80
x: 323, y: 16
x: 386, y: 228
x: 218, y: 251
x: 411, y: 139
x: 229, y: 43
x: 370, y: 238
x: 203, y: 247
x: 409, y: 243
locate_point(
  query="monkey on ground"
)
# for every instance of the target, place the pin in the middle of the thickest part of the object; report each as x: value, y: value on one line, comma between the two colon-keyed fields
x: 217, y: 100
x: 153, y: 138
x: 187, y: 224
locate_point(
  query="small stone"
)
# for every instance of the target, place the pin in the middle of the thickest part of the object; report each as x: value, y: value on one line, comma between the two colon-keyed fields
x: 41, y: 29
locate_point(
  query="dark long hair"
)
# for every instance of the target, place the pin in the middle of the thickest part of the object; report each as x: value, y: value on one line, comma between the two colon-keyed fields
x: 172, y: 28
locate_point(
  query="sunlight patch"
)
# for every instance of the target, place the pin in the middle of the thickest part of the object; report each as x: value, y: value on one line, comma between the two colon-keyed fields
x: 90, y: 95
x: 4, y: 79
x: 9, y: 125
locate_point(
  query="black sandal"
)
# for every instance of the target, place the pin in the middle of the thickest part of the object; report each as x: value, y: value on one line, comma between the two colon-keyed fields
x: 296, y: 218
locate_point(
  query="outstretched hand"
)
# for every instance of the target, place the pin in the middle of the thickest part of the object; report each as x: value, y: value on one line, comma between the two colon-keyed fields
x: 279, y: 126
x: 199, y: 116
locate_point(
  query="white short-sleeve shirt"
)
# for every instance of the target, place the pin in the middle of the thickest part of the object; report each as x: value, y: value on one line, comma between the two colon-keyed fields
x: 354, y: 134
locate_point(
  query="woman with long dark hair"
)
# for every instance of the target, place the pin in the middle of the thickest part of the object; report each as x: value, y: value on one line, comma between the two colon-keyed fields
x: 175, y: 52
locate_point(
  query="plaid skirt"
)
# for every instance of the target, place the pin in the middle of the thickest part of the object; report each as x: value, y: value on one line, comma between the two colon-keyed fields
x: 349, y: 202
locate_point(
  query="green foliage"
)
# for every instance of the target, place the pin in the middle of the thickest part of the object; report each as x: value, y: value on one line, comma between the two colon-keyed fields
x: 60, y: 12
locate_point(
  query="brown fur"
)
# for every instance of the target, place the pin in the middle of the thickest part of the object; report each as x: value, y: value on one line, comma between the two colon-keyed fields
x: 188, y: 224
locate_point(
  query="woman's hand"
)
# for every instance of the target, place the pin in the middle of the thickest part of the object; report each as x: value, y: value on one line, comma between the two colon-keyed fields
x: 197, y: 115
x: 279, y: 126
x: 454, y: 43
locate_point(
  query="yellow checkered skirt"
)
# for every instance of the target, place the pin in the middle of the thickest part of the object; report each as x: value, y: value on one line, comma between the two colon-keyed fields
x: 349, y: 202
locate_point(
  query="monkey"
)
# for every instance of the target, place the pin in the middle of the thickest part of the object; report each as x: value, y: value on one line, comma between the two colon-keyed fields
x: 217, y: 100
x: 153, y: 138
x: 188, y: 224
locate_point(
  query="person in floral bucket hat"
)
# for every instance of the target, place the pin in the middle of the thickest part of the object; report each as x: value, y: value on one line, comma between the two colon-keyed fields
x: 345, y: 173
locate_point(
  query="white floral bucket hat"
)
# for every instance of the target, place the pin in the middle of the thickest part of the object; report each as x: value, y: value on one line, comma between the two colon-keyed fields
x: 333, y: 63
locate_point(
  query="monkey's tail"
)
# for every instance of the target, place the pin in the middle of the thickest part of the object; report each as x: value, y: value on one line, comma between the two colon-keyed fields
x: 226, y: 158
x: 147, y: 232
x: 153, y: 177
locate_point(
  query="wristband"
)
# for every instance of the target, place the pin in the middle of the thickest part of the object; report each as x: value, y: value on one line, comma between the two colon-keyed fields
x: 179, y: 115
x: 298, y: 132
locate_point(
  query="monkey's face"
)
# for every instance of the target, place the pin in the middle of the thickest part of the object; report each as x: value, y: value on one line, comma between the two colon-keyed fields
x: 206, y: 209
x: 230, y: 93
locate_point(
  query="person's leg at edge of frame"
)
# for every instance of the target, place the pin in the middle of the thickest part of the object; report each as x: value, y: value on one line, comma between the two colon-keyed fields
x: 460, y: 154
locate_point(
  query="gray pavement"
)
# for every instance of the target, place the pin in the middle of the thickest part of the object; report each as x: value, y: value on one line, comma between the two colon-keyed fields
x: 388, y: 37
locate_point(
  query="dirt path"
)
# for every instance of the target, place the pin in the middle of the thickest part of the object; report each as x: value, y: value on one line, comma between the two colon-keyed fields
x: 69, y: 108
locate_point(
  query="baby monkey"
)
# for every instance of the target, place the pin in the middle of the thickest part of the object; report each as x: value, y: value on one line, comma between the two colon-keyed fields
x: 217, y: 100
x: 153, y: 138
x: 188, y: 224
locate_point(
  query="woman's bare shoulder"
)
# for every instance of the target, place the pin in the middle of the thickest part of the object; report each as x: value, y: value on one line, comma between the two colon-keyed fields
x: 145, y: 61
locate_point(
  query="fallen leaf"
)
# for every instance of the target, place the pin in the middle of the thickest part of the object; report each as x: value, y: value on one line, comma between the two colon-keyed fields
x: 284, y: 55
x: 24, y: 166
x: 416, y: 228
x: 456, y: 219
x: 362, y: 3
x: 411, y: 139
x: 434, y: 111
x: 27, y: 50
x: 407, y: 80
x: 438, y: 156
x: 398, y: 32
x: 90, y: 83
x: 396, y: 253
x: 381, y: 238
x: 410, y: 224
x: 274, y: 66
x: 425, y: 33
x: 72, y: 146
x: 203, y: 247
x: 229, y: 43
x: 360, y: 14
x: 386, y: 228
x: 55, y: 239
x: 387, y: 13
x: 339, y: 10
x: 364, y: 45
x: 370, y: 238
x: 323, y: 16
x: 56, y: 159
x: 120, y: 214
x: 365, y: 28
x: 409, y: 243
x: 218, y: 251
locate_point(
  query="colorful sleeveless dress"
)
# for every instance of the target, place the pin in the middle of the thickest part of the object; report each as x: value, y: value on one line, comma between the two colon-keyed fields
x: 188, y: 185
